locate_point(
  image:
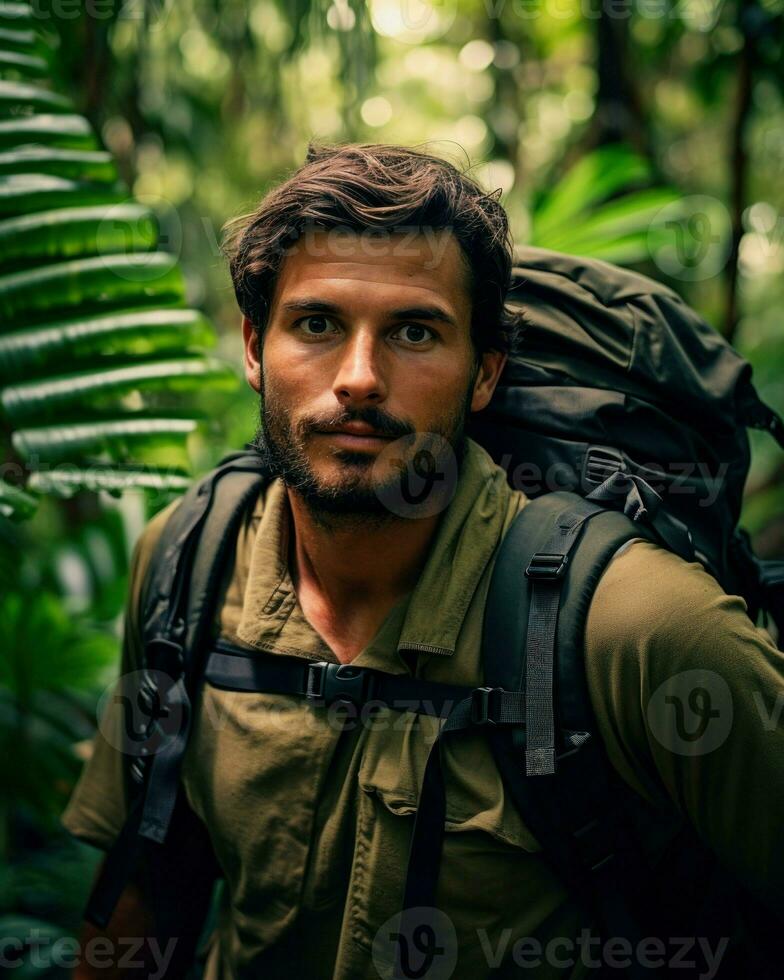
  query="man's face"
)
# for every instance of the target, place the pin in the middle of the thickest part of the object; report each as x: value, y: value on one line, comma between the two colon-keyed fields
x: 371, y: 335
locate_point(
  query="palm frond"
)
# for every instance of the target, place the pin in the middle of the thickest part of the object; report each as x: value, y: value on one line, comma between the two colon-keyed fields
x: 103, y: 370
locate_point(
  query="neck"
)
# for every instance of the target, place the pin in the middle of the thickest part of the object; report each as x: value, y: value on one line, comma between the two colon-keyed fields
x: 357, y: 563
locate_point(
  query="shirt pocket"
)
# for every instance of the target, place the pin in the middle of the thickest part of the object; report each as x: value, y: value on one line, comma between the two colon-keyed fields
x: 253, y: 771
x: 488, y: 854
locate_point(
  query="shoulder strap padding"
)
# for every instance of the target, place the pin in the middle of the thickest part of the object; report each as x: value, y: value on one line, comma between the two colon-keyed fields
x: 596, y: 833
x: 234, y: 494
x: 181, y: 604
x: 179, y: 570
x: 506, y: 612
x: 168, y: 586
x: 578, y: 814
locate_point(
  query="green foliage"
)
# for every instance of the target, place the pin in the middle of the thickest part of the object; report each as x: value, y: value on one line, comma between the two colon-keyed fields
x: 89, y: 395
x: 14, y: 95
x: 91, y: 166
x: 62, y: 585
x: 88, y: 302
x: 15, y: 504
x: 47, y: 656
x: 69, y: 132
x: 594, y: 210
x: 77, y: 231
x: 114, y: 338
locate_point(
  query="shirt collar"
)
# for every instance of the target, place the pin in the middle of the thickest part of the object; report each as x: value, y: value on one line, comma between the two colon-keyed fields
x: 429, y: 618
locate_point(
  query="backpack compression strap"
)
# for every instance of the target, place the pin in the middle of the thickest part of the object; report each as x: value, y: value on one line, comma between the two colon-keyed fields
x: 575, y: 810
x: 178, y: 608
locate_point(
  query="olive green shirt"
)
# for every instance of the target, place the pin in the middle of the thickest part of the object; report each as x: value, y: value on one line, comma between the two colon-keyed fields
x: 311, y: 820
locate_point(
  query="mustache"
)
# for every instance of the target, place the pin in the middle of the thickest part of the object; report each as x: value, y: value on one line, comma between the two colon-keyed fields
x: 383, y: 423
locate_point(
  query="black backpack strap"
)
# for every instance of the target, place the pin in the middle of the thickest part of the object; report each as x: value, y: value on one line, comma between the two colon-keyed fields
x: 761, y: 582
x: 178, y: 608
x: 323, y: 682
x: 595, y: 831
x: 536, y: 550
x: 179, y: 617
x: 545, y: 573
x: 575, y: 808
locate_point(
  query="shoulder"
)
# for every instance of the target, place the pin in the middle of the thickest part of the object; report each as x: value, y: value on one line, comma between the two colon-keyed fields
x: 141, y: 558
x: 147, y: 541
x: 649, y: 600
x: 646, y: 588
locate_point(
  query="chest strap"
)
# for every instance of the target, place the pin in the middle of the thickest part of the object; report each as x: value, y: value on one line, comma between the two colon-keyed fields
x: 233, y: 668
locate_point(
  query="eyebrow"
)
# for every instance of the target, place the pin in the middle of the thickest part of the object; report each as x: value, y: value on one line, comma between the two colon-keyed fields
x: 312, y: 305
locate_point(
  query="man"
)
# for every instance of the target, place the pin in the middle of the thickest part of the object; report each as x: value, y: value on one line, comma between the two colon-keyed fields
x: 372, y: 287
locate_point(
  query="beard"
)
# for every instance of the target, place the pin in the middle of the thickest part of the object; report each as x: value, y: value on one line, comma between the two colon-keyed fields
x: 356, y: 496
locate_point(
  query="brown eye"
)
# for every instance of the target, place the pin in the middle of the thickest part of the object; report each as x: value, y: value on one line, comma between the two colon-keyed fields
x: 415, y: 333
x: 315, y: 325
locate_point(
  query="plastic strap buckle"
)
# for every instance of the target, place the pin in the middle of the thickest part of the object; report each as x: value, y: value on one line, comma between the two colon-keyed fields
x: 546, y: 566
x: 482, y: 705
x: 599, y: 464
x: 165, y: 655
x: 327, y: 682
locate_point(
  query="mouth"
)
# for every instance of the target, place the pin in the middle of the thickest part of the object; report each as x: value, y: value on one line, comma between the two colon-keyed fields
x: 356, y: 435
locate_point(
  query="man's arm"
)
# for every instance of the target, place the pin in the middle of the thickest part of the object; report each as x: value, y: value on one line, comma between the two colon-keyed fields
x: 689, y: 699
x: 98, y: 805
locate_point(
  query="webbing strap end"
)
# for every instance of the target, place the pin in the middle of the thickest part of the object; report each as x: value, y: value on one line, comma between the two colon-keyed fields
x: 540, y: 762
x: 153, y: 831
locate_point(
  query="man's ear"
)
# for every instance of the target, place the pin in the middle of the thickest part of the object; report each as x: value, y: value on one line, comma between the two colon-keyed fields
x: 252, y: 354
x: 489, y: 371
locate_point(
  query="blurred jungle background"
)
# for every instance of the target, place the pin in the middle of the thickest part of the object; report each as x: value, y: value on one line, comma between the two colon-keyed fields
x: 648, y: 133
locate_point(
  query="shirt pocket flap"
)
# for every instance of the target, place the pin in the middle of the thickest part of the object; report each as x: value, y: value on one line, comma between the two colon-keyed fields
x: 476, y: 799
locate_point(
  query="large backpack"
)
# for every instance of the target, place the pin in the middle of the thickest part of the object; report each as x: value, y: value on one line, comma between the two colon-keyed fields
x: 620, y: 388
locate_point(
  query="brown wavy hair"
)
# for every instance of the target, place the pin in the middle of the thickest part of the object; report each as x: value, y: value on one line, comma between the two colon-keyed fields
x: 373, y: 186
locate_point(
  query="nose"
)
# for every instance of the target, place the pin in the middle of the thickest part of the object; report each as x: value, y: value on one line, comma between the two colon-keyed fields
x: 359, y: 379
